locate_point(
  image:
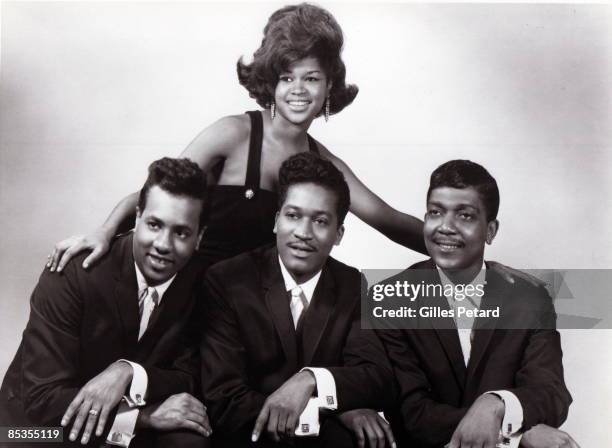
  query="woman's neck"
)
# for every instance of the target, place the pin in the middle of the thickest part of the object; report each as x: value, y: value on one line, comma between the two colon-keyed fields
x: 283, y: 130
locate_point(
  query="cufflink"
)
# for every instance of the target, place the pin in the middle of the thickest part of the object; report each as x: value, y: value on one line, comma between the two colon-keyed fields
x: 139, y: 400
x: 305, y: 427
x: 116, y: 437
x: 330, y: 400
x: 249, y: 194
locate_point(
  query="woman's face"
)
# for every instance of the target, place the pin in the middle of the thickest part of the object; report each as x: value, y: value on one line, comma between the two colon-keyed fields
x: 301, y: 91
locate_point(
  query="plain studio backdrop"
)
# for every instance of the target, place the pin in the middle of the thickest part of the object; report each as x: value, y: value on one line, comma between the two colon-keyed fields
x: 91, y: 93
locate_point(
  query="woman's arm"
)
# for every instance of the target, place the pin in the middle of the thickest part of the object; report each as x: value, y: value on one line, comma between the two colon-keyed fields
x: 400, y: 227
x: 214, y: 143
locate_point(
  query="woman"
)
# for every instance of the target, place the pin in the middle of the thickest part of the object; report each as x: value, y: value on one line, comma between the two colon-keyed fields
x: 297, y: 75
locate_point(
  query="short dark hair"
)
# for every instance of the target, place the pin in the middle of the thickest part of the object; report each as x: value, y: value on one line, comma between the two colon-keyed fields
x: 293, y: 33
x: 180, y: 177
x: 464, y: 174
x: 307, y: 167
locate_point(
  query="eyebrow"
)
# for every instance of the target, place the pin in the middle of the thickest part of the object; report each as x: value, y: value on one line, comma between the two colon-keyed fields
x: 314, y: 212
x: 455, y: 207
x: 309, y: 72
x: 179, y: 226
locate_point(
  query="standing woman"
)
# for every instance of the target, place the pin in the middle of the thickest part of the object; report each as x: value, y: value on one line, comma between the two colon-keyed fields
x: 296, y: 75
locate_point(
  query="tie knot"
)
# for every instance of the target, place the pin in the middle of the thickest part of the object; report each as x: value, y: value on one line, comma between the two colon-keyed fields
x: 296, y: 291
x: 150, y: 293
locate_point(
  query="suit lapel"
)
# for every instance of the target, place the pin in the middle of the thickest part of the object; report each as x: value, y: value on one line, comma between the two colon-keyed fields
x: 444, y: 327
x: 126, y: 292
x: 484, y: 327
x: 318, y: 313
x: 277, y: 301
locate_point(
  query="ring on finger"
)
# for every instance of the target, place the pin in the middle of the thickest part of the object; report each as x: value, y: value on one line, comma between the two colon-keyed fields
x: 93, y: 412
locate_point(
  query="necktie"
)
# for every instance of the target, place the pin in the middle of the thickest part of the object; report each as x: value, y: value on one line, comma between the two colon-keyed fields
x: 465, y: 327
x: 298, y: 304
x: 147, y: 302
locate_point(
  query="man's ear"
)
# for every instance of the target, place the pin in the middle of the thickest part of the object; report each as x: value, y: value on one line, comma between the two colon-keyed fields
x: 276, y: 222
x: 492, y: 228
x: 339, y: 235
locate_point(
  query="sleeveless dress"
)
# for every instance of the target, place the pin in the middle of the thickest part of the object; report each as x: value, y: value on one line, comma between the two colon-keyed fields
x: 241, y: 217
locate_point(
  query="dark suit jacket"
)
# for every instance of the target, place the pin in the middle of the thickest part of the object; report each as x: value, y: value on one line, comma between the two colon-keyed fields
x: 250, y: 347
x: 82, y: 321
x: 436, y: 388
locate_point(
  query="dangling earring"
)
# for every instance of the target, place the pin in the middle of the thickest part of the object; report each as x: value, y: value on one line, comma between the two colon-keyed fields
x: 327, y: 109
x: 273, y: 110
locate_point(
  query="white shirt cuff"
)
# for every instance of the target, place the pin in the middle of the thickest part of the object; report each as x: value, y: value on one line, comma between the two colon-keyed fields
x: 309, y: 420
x: 122, y: 431
x: 326, y: 387
x: 138, y: 388
x: 513, y: 415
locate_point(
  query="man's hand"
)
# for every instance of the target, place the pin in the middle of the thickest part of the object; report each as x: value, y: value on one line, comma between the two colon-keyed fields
x: 180, y: 411
x: 480, y: 426
x: 281, y: 411
x: 367, y: 424
x: 544, y: 436
x: 97, y: 399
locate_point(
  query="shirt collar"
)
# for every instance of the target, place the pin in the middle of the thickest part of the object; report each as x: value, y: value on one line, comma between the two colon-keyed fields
x: 308, y: 287
x: 142, y: 284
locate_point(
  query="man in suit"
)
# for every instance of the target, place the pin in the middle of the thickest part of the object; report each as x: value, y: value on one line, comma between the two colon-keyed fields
x: 485, y: 376
x: 111, y: 348
x: 283, y: 339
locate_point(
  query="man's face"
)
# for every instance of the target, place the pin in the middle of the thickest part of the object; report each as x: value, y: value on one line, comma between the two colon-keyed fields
x: 306, y: 229
x: 166, y: 234
x: 456, y: 228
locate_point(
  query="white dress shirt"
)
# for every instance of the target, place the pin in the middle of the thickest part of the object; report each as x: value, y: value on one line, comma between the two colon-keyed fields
x: 122, y: 430
x: 326, y: 385
x: 513, y: 413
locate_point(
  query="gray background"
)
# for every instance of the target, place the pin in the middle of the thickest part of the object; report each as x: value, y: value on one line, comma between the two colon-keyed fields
x: 90, y: 93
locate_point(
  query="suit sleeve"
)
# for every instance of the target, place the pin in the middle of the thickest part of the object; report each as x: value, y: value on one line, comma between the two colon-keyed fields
x: 422, y: 417
x: 231, y: 403
x: 50, y: 360
x: 540, y: 386
x: 365, y: 379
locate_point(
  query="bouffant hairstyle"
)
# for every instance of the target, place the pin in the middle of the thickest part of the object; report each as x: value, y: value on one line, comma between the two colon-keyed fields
x: 293, y: 33
x: 464, y: 174
x: 307, y: 167
x: 179, y: 177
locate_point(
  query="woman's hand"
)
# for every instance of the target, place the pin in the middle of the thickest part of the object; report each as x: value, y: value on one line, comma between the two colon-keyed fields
x: 98, y: 242
x: 509, y: 274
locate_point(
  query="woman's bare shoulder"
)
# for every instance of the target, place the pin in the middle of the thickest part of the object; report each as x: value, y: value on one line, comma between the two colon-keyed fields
x: 327, y: 154
x: 234, y: 127
x: 219, y: 139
